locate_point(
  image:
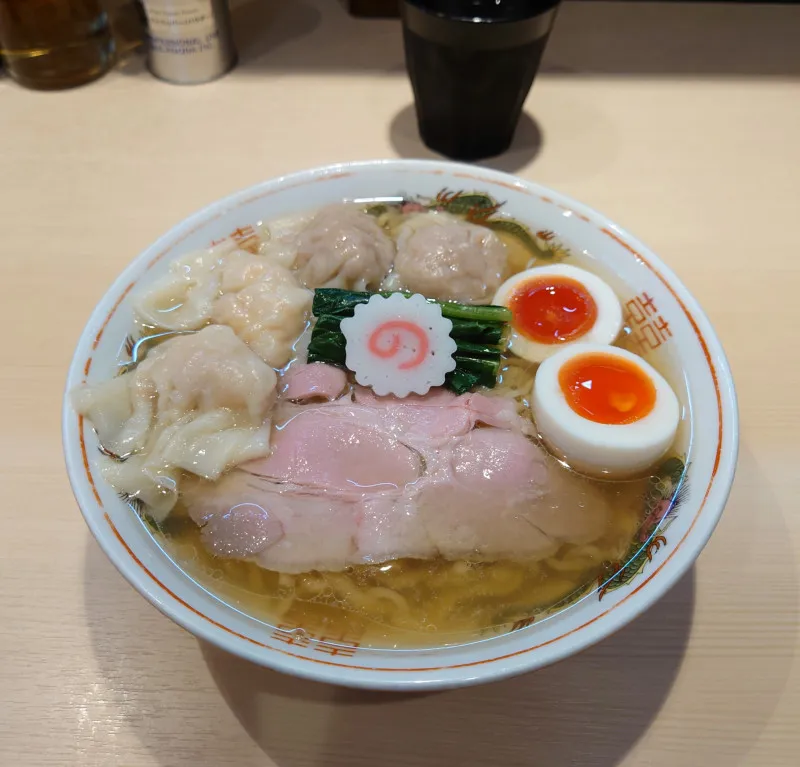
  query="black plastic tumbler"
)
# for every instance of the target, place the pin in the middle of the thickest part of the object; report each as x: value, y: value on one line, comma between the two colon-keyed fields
x: 471, y: 64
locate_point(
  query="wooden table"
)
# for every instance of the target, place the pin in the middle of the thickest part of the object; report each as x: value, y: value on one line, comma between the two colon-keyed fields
x: 679, y: 121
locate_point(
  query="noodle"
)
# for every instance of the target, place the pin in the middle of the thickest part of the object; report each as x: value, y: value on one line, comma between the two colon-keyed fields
x: 574, y: 563
x: 311, y: 585
x: 255, y: 578
x: 381, y: 592
x: 286, y: 594
x: 399, y: 603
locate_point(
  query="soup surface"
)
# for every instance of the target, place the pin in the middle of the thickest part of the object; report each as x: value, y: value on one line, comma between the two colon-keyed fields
x: 410, y: 601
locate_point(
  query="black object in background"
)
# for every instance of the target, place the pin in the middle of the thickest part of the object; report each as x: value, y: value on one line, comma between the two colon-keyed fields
x: 471, y: 64
x: 391, y: 8
x: 374, y: 9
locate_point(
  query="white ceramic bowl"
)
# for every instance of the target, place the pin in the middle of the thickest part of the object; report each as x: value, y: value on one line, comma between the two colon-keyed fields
x: 661, y: 311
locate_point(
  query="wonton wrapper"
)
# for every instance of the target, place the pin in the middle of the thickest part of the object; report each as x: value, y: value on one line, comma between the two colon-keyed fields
x: 446, y: 258
x: 345, y: 248
x: 197, y: 403
x: 257, y: 296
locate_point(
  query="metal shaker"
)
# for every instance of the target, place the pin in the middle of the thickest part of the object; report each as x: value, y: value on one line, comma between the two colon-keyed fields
x: 190, y: 40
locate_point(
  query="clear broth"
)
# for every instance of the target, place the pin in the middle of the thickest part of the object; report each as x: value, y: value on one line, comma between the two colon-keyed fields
x: 411, y: 603
x: 422, y: 603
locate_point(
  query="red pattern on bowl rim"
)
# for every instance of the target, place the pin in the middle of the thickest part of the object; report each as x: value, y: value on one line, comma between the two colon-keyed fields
x: 407, y: 674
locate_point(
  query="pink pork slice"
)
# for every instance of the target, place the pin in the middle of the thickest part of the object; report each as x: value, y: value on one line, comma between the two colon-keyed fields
x: 366, y: 479
x: 302, y: 383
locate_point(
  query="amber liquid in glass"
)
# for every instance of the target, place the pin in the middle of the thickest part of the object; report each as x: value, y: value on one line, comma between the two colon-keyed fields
x: 51, y: 44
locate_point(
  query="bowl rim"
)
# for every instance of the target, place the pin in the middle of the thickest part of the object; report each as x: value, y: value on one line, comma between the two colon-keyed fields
x: 519, y: 662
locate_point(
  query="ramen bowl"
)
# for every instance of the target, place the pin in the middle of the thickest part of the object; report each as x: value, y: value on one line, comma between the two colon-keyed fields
x: 664, y: 322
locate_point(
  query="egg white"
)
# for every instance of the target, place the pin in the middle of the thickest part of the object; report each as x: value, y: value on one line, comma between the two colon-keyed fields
x: 609, y: 310
x: 607, y: 450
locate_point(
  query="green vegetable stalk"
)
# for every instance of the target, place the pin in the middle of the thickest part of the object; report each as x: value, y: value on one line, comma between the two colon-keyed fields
x: 480, y: 333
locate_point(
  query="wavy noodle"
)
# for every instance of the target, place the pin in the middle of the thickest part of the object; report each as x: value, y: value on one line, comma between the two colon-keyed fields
x: 368, y: 601
x: 401, y: 603
x: 255, y: 578
x: 311, y: 585
x: 515, y: 382
x: 382, y: 593
x: 571, y: 564
x: 284, y: 599
x: 552, y: 589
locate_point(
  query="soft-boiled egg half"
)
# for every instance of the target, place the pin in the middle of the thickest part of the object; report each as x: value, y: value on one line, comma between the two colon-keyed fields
x: 603, y: 410
x: 556, y: 305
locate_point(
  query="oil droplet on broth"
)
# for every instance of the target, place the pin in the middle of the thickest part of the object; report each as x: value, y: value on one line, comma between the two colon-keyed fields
x: 437, y: 602
x: 408, y: 603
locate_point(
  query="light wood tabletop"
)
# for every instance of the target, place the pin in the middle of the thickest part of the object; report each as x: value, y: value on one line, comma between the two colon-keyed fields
x: 679, y: 121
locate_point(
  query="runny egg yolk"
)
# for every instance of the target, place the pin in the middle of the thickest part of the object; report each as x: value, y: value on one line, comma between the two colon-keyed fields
x: 552, y: 309
x: 607, y: 389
